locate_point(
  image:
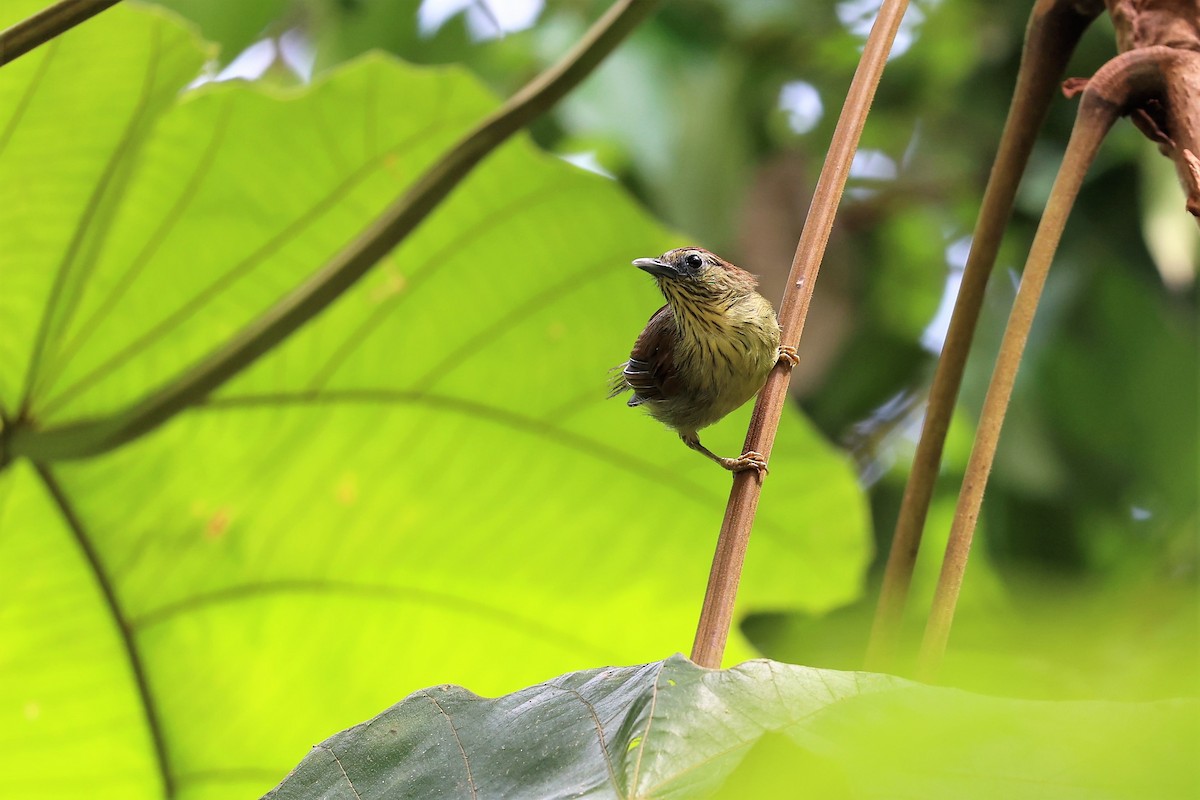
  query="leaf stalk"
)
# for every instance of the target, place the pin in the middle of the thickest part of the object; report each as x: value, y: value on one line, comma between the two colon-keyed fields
x: 1054, y: 29
x: 28, y: 34
x: 716, y: 615
x: 1121, y: 85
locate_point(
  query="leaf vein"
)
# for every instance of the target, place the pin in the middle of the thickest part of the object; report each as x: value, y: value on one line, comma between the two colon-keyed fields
x: 27, y: 96
x: 121, y: 622
x: 345, y: 775
x: 608, y: 763
x: 458, y: 740
x: 540, y: 427
x: 237, y: 593
x: 231, y: 276
x: 637, y: 766
x: 156, y: 240
x: 429, y: 268
x: 90, y: 215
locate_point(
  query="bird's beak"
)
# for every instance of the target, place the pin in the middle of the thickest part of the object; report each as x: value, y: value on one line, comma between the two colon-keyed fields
x: 656, y: 267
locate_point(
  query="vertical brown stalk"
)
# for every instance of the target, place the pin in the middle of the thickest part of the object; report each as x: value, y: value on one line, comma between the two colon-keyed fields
x: 717, y: 613
x: 1054, y: 29
x: 1122, y: 83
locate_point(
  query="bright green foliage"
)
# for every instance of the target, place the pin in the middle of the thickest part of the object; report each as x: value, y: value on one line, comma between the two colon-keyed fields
x: 424, y: 484
x: 673, y: 730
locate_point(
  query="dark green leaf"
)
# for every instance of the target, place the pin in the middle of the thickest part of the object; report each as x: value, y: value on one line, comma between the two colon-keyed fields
x: 673, y: 730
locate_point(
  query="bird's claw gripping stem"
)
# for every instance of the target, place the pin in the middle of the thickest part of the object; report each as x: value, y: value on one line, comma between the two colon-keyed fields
x: 787, y: 354
x: 751, y: 459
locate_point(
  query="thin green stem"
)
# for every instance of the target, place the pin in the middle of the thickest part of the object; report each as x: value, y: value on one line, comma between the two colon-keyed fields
x: 716, y: 616
x: 43, y: 26
x: 1054, y: 29
x: 91, y: 437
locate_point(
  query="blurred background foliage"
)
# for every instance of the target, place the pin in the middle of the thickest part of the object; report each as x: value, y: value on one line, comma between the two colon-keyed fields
x: 716, y: 114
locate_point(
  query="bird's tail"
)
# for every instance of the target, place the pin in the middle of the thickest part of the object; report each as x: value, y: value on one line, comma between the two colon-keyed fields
x: 617, y: 383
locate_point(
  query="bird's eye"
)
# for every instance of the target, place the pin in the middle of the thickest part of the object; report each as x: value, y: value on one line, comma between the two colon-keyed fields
x: 692, y: 261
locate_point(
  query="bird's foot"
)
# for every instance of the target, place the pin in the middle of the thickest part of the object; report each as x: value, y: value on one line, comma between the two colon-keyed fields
x: 787, y: 354
x: 751, y: 459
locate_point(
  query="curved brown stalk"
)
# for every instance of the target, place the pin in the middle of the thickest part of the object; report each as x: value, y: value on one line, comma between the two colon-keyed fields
x: 1173, y: 120
x: 43, y: 26
x: 96, y: 436
x: 1121, y: 85
x: 717, y: 613
x: 1054, y: 29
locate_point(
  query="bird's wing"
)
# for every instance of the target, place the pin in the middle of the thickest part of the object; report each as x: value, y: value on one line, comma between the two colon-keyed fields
x: 650, y: 371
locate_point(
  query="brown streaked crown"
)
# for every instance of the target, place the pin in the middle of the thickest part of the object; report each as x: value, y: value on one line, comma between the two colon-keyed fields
x: 702, y: 269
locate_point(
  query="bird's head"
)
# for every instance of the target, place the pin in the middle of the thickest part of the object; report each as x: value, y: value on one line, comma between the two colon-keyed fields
x: 696, y: 274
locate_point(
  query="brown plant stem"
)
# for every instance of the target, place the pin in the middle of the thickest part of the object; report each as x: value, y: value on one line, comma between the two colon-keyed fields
x: 717, y: 613
x: 43, y: 26
x: 1119, y: 85
x: 1054, y: 29
x: 91, y: 437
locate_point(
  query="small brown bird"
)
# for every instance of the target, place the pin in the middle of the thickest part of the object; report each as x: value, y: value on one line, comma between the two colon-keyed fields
x: 706, y: 352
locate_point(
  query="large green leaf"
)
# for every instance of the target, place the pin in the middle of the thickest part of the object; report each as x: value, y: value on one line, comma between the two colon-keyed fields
x: 422, y: 485
x: 673, y: 730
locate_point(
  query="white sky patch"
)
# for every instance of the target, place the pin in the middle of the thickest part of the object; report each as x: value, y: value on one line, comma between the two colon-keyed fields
x: 802, y: 103
x: 249, y: 65
x: 873, y: 165
x: 486, y: 19
x: 293, y: 48
x: 298, y: 53
x: 957, y: 253
x: 586, y: 160
x: 870, y: 165
x: 857, y: 17
x: 934, y: 335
